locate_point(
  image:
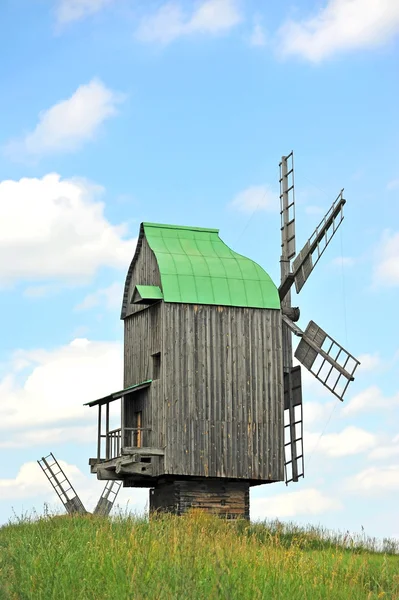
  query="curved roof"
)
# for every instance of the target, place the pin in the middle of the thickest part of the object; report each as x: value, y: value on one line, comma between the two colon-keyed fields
x: 197, y: 267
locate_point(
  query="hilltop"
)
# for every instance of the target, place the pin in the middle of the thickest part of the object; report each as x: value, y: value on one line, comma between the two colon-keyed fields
x: 192, y: 557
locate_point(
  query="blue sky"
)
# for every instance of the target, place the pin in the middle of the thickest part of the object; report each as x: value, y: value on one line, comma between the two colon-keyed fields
x: 119, y: 111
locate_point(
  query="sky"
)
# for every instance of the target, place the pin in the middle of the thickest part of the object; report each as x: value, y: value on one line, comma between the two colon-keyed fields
x: 114, y: 112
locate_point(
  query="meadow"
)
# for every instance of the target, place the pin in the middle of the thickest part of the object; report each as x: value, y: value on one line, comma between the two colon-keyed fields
x: 191, y: 557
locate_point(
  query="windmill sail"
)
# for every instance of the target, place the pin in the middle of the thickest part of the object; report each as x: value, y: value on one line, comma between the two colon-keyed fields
x: 287, y: 212
x: 107, y: 498
x: 287, y: 207
x: 293, y: 438
x: 61, y: 484
x: 312, y: 251
x: 327, y: 360
x: 293, y: 425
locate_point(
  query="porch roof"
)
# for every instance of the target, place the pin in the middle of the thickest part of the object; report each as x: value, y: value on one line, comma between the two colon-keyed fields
x: 116, y: 395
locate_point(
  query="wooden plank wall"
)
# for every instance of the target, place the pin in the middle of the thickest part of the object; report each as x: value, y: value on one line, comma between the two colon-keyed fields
x: 142, y: 338
x: 145, y: 272
x: 139, y: 401
x: 218, y: 405
x: 223, y: 387
x: 229, y: 499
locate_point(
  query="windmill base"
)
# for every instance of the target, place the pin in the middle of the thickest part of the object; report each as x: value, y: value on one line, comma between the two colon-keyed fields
x: 228, y: 499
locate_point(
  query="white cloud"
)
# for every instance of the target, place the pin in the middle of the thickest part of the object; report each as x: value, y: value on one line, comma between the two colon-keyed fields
x: 370, y: 362
x: 110, y: 297
x: 53, y: 387
x: 341, y: 25
x: 317, y: 412
x: 73, y: 10
x: 256, y: 197
x: 30, y: 482
x: 388, y: 451
x: 55, y: 228
x: 170, y: 22
x: 370, y: 400
x: 52, y: 436
x: 27, y: 483
x: 303, y: 502
x: 375, y: 480
x: 258, y: 35
x: 393, y: 185
x: 67, y: 125
x: 352, y: 440
x: 386, y: 271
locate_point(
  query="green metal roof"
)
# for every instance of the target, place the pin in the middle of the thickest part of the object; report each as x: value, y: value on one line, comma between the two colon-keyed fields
x: 197, y: 267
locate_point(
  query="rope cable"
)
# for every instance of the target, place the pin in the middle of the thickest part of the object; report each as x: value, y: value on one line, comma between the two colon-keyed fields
x: 251, y: 217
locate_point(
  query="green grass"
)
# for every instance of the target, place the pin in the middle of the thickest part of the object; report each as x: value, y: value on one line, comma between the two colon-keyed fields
x: 192, y: 557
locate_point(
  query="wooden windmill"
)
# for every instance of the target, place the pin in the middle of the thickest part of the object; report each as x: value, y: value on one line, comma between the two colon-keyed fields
x: 212, y: 403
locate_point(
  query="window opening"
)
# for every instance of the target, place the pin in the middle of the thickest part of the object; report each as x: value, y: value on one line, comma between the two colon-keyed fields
x: 156, y: 365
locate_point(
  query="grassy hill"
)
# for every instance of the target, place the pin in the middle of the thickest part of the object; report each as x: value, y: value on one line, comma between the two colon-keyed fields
x: 193, y: 557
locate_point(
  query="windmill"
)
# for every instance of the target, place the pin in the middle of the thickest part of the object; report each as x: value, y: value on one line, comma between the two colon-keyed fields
x: 67, y: 494
x: 317, y: 351
x: 212, y: 401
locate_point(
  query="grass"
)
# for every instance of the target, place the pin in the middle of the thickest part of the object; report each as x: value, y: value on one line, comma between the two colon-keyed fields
x: 191, y: 557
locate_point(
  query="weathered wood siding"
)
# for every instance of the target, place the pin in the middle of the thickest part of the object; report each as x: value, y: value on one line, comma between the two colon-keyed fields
x: 223, y: 392
x: 142, y: 339
x: 145, y: 272
x: 133, y: 403
x: 217, y: 406
x: 229, y: 499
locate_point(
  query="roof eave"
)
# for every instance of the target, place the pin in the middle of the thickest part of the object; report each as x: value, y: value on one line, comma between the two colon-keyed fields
x: 117, y: 395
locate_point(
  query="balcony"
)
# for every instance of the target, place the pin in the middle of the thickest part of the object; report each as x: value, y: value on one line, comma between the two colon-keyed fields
x: 125, y: 453
x: 134, y: 438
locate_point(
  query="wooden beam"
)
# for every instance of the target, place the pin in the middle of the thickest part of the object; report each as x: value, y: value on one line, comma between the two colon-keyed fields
x: 107, y: 475
x: 143, y: 451
x: 99, y: 433
x: 134, y: 468
x: 107, y: 430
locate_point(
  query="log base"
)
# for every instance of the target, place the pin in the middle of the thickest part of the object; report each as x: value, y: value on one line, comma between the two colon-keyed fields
x: 228, y: 499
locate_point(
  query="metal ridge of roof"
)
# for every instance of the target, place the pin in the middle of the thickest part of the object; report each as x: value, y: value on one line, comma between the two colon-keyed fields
x: 165, y: 226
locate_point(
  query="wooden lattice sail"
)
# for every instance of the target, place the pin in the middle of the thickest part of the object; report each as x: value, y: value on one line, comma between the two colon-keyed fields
x: 67, y: 494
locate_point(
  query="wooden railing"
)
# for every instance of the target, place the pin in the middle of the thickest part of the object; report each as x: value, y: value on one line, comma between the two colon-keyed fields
x: 136, y: 437
x: 112, y: 443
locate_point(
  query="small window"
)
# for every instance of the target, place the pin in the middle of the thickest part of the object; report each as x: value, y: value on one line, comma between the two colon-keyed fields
x: 156, y: 365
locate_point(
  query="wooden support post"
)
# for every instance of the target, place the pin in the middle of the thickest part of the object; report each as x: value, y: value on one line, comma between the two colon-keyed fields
x: 99, y: 433
x: 107, y: 452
